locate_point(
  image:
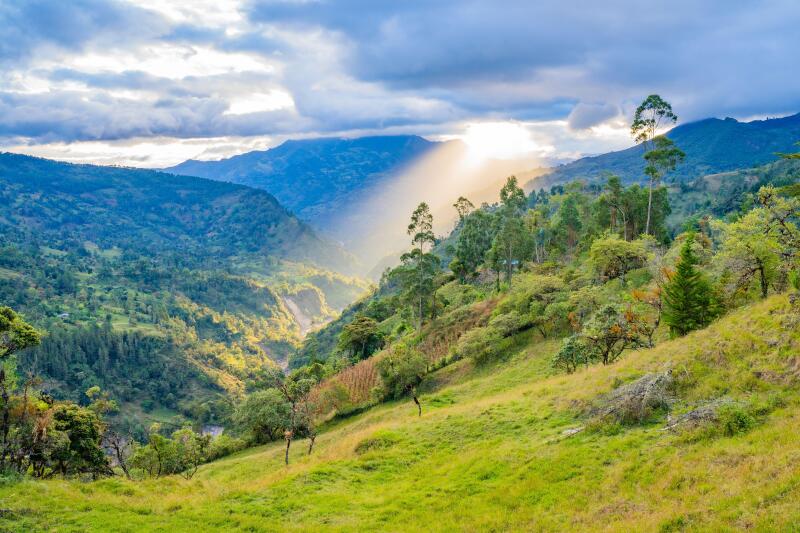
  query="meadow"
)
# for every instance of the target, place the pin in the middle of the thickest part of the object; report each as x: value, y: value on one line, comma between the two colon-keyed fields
x: 509, y: 446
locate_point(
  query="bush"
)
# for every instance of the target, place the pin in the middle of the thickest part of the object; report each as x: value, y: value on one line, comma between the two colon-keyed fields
x: 735, y: 419
x: 613, y: 257
x: 481, y: 344
x: 224, y: 445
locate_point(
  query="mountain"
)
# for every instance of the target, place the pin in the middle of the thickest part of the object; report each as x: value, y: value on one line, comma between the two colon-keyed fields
x: 316, y: 178
x: 153, y: 212
x: 712, y: 145
x: 171, y: 293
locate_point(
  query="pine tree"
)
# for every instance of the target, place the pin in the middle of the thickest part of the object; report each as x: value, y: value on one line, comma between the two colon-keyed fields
x: 689, y: 301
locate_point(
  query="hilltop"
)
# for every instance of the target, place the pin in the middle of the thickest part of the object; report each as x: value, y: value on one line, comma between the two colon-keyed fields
x: 506, y: 447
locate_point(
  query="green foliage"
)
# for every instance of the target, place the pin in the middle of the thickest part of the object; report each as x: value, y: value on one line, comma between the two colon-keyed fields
x: 750, y: 251
x: 182, y: 453
x: 263, y: 416
x: 361, y: 338
x: 15, y: 333
x: 401, y: 370
x: 573, y: 353
x: 607, y: 334
x: 474, y: 241
x: 613, y: 257
x: 689, y: 301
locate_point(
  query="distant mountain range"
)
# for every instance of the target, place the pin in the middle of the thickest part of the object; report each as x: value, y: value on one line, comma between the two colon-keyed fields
x: 152, y: 212
x: 316, y: 178
x: 711, y: 145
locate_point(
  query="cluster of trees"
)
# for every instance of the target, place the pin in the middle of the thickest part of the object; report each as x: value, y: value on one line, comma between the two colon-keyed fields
x: 284, y: 408
x: 44, y: 437
x: 41, y: 436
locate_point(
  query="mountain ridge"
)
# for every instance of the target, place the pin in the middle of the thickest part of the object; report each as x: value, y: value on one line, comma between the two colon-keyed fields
x: 712, y: 145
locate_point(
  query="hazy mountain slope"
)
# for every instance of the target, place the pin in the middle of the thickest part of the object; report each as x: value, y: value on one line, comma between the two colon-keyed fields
x: 492, y: 451
x: 168, y: 292
x: 711, y: 145
x: 315, y: 178
x: 152, y: 211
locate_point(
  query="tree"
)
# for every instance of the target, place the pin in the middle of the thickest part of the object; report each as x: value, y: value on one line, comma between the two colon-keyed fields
x: 474, y: 240
x: 81, y: 451
x: 263, y: 415
x: 618, y: 209
x: 613, y: 257
x: 417, y: 275
x: 689, y: 301
x: 512, y: 245
x: 296, y: 390
x: 401, y: 371
x: 463, y: 207
x: 571, y: 355
x: 653, y: 113
x: 15, y: 335
x: 569, y: 225
x: 610, y: 331
x: 749, y: 249
x: 662, y: 158
x: 191, y: 450
x: 360, y: 337
x: 512, y: 197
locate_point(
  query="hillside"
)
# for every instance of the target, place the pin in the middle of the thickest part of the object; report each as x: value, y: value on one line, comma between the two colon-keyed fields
x: 498, y: 448
x: 152, y: 212
x: 712, y: 145
x: 316, y: 178
x: 171, y: 293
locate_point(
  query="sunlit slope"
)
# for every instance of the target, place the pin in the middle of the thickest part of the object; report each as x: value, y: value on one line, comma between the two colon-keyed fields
x: 490, y: 453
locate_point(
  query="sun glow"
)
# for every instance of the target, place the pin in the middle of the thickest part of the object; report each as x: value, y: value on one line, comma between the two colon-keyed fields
x: 498, y: 140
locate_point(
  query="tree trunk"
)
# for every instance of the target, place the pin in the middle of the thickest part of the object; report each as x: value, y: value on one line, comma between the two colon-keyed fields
x: 312, y: 438
x: 288, y: 443
x: 649, y: 208
x: 763, y: 275
x: 6, y: 416
x: 416, y: 401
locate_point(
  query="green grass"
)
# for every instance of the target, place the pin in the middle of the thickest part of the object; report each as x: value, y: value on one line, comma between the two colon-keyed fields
x: 489, y: 454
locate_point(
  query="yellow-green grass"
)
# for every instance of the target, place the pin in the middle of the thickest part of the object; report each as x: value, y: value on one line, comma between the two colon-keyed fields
x: 489, y: 454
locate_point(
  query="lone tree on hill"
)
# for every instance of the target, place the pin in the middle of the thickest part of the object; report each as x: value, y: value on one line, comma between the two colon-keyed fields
x: 660, y: 153
x: 402, y: 371
x: 689, y: 301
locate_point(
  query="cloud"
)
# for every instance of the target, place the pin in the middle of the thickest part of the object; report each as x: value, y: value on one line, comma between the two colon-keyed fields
x: 31, y: 27
x: 585, y: 115
x: 105, y: 71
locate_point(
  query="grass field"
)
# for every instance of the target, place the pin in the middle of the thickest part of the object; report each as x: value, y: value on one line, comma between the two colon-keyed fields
x: 490, y: 454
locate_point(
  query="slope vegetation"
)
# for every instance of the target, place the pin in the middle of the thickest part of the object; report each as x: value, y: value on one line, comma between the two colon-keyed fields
x: 506, y: 447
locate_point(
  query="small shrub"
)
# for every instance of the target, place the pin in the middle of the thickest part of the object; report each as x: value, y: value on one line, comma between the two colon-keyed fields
x: 223, y: 446
x: 735, y: 419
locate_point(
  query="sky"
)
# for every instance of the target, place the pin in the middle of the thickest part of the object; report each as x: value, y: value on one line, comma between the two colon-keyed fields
x: 151, y: 83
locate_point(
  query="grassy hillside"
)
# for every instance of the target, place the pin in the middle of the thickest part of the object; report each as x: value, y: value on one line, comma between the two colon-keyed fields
x: 496, y: 448
x: 711, y: 146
